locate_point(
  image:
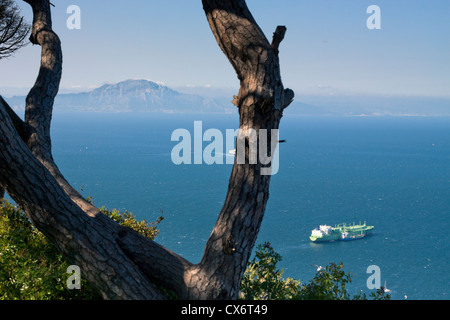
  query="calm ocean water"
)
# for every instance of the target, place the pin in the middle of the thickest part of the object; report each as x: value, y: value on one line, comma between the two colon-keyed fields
x: 393, y: 173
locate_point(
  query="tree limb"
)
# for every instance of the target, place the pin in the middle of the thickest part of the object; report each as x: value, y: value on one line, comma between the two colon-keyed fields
x: 162, y: 266
x: 85, y: 241
x: 288, y: 98
x: 40, y: 99
x: 261, y: 101
x: 278, y: 36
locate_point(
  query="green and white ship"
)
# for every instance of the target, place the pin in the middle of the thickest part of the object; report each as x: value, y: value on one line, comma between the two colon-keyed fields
x: 325, y: 233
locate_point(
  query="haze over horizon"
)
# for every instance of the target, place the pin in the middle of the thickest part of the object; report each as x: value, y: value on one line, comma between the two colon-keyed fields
x: 328, y: 48
x: 139, y: 95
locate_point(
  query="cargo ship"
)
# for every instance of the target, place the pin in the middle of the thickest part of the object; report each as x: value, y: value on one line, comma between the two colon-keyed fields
x: 344, y: 232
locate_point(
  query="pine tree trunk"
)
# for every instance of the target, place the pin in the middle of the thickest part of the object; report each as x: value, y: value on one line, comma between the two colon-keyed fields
x: 261, y: 101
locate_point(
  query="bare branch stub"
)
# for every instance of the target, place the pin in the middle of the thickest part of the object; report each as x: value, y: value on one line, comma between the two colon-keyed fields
x: 278, y: 36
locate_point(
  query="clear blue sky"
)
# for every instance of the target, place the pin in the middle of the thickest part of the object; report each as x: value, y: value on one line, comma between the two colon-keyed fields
x: 328, y: 48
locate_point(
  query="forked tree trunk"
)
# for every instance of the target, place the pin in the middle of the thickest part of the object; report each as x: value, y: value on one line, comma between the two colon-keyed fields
x: 120, y: 263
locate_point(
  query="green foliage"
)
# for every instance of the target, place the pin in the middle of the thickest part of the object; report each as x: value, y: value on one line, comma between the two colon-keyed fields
x: 127, y: 219
x: 329, y: 284
x: 263, y: 281
x: 31, y: 268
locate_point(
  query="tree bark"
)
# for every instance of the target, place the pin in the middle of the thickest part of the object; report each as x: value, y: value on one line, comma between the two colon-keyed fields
x: 40, y: 99
x: 261, y: 101
x: 119, y: 262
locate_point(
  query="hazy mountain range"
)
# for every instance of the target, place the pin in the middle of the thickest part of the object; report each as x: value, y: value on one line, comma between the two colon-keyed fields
x: 134, y: 96
x: 148, y: 96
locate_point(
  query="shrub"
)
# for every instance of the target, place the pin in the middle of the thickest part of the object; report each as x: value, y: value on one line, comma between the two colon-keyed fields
x: 263, y: 281
x: 31, y: 268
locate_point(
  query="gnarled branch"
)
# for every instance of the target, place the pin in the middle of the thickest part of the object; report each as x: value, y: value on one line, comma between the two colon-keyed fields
x: 278, y: 36
x: 39, y: 102
x: 40, y: 99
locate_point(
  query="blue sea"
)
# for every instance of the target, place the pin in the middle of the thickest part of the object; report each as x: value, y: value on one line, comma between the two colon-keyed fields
x: 392, y: 172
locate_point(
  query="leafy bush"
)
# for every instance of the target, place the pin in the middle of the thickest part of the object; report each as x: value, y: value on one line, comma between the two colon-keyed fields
x: 127, y: 219
x: 263, y: 281
x: 31, y: 268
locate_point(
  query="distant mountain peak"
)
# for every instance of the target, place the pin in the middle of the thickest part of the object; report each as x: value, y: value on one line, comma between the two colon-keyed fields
x: 132, y: 85
x: 135, y: 95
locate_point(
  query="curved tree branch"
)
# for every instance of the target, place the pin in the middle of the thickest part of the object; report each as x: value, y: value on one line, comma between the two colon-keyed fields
x: 40, y: 99
x: 39, y: 102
